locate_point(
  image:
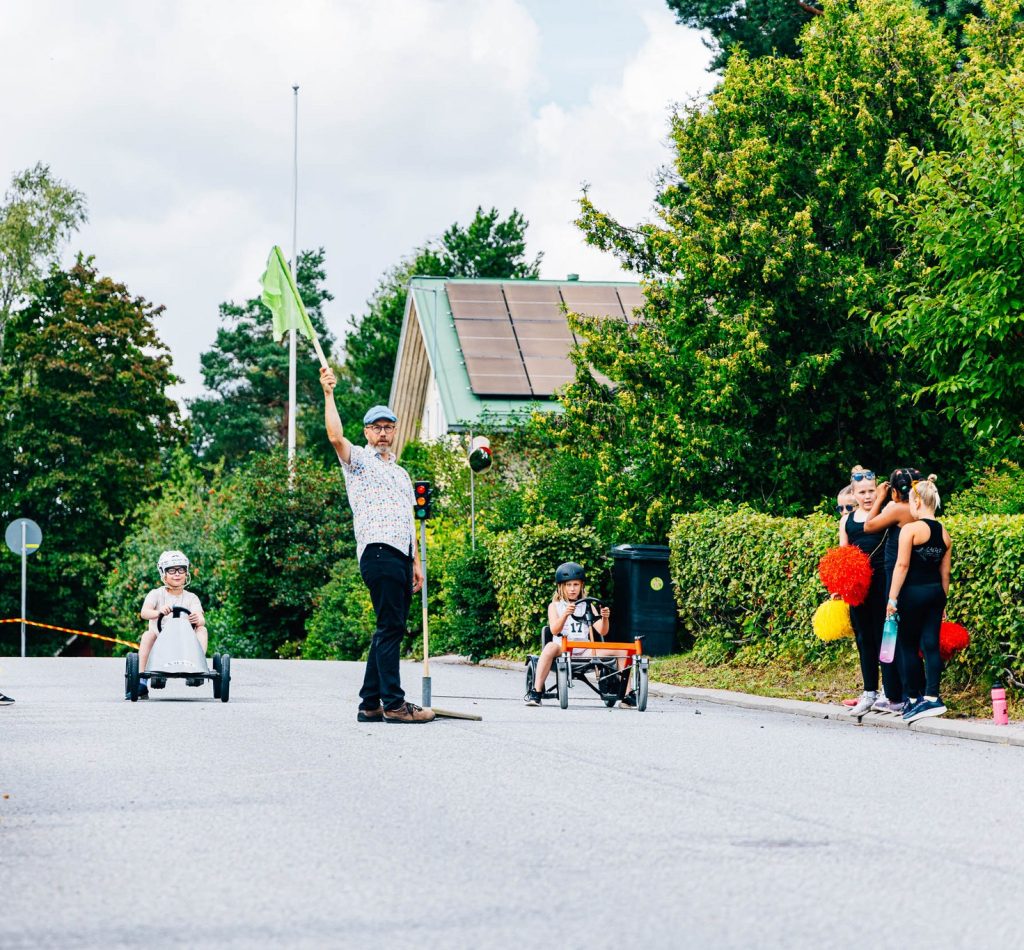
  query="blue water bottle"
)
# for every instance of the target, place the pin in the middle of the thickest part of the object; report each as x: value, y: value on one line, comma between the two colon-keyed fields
x: 888, y: 651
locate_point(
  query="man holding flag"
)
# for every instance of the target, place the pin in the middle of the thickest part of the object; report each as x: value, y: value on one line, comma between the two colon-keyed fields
x: 380, y: 493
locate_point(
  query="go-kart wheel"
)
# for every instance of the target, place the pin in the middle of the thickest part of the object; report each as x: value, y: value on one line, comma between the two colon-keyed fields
x: 131, y: 677
x: 225, y: 677
x: 531, y: 673
x: 640, y: 680
x: 562, y: 674
x: 156, y: 682
x: 216, y: 679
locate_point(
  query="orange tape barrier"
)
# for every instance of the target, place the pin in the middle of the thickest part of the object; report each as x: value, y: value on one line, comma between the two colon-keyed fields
x: 81, y: 633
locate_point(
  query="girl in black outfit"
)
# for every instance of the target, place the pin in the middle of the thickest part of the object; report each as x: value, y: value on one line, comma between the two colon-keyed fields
x: 919, y: 587
x: 869, y: 617
x: 889, y: 513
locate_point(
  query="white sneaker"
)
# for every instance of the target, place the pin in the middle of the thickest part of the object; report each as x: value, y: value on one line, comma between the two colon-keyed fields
x: 864, y: 704
x: 881, y: 704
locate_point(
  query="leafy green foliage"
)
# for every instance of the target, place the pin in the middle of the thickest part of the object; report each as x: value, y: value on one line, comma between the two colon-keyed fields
x: 247, y: 372
x: 746, y: 585
x: 996, y: 491
x: 86, y: 422
x: 342, y: 624
x: 959, y: 284
x: 289, y: 541
x: 772, y: 27
x: 38, y: 215
x: 753, y: 376
x: 522, y: 566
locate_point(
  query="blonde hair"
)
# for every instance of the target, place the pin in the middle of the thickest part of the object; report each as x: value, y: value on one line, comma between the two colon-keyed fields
x: 927, y: 493
x: 844, y: 491
x: 559, y: 593
x: 861, y: 470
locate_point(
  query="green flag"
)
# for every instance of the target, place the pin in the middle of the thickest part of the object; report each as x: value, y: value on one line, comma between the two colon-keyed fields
x: 282, y: 298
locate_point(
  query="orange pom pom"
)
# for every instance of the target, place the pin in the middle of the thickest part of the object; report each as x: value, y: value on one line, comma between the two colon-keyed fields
x: 952, y: 637
x: 846, y: 572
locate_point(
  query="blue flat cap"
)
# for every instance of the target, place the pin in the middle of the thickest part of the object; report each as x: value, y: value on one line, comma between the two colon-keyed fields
x: 377, y: 413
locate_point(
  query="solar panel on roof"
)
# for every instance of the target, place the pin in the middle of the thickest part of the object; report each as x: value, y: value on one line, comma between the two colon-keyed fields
x: 592, y: 301
x: 632, y: 300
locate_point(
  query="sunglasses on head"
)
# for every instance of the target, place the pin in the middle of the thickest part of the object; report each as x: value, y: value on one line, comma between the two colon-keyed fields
x: 841, y: 508
x: 860, y: 476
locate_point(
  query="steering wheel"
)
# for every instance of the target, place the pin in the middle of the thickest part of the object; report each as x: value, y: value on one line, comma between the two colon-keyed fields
x: 593, y: 607
x: 176, y: 612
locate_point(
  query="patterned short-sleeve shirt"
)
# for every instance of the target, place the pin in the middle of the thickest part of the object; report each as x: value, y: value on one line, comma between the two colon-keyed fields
x: 380, y: 493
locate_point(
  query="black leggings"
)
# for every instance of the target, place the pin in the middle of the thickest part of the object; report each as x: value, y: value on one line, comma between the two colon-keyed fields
x: 867, y: 620
x: 920, y: 609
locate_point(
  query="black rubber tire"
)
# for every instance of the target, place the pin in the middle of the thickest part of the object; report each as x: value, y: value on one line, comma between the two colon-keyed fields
x: 216, y: 679
x: 225, y: 677
x: 562, y: 675
x: 131, y: 676
x: 531, y: 673
x: 642, y: 679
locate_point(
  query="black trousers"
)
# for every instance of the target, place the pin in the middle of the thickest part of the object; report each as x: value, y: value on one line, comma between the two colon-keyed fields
x: 868, y: 620
x: 920, y: 609
x: 388, y: 575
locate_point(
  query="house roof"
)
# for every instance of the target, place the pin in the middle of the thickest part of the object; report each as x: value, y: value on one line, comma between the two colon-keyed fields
x: 518, y: 326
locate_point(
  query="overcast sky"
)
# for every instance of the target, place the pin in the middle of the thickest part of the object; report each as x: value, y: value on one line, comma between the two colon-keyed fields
x: 175, y: 119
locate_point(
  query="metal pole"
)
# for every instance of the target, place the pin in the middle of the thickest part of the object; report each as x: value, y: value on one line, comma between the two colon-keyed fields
x: 472, y: 497
x: 24, y: 581
x: 426, y: 634
x: 295, y: 274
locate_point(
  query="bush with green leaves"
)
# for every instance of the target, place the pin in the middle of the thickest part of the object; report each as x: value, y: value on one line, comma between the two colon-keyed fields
x: 342, y: 624
x: 522, y: 566
x: 997, y: 491
x: 747, y: 585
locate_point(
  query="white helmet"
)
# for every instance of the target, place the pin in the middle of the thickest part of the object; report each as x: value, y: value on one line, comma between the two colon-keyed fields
x: 171, y: 559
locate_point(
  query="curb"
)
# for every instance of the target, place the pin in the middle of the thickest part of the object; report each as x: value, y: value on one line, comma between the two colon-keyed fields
x: 950, y: 728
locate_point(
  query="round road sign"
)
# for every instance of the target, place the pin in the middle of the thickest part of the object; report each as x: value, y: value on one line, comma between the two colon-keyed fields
x: 33, y: 536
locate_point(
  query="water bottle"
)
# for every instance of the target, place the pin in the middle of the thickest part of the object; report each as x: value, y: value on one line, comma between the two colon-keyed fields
x: 888, y: 651
x: 999, y: 714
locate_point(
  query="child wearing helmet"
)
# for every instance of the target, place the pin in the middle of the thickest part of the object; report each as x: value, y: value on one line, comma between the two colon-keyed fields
x: 564, y: 620
x: 174, y: 572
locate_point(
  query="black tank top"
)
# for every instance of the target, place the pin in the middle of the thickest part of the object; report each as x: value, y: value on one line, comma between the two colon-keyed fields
x: 892, y: 545
x: 870, y: 544
x: 926, y: 559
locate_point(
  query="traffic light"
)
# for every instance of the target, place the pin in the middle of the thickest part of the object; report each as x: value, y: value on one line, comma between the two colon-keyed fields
x: 422, y: 492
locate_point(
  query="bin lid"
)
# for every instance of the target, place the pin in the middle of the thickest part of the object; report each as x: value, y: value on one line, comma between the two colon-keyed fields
x: 640, y: 552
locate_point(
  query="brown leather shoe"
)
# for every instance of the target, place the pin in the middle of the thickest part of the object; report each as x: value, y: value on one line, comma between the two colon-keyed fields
x: 370, y: 715
x: 409, y: 713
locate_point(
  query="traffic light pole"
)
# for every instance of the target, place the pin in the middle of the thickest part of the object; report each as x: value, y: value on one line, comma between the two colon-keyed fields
x: 426, y: 634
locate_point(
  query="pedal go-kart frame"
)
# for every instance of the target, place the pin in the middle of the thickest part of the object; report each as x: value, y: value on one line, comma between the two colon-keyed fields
x: 609, y: 681
x: 177, y: 654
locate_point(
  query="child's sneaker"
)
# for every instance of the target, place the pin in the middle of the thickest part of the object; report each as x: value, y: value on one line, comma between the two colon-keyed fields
x: 628, y: 701
x: 864, y: 704
x: 532, y: 698
x: 5, y: 700
x: 924, y: 709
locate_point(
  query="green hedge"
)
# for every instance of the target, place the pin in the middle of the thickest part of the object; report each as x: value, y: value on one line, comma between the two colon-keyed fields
x: 522, y: 564
x: 747, y: 582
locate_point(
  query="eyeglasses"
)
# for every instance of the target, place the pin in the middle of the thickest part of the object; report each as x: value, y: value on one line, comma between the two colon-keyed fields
x: 841, y: 508
x: 380, y: 430
x: 176, y: 570
x: 860, y: 476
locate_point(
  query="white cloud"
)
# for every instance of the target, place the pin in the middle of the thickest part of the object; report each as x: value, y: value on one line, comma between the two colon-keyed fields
x: 175, y: 119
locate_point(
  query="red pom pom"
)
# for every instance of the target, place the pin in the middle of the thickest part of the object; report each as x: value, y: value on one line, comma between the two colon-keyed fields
x: 952, y: 637
x: 846, y: 572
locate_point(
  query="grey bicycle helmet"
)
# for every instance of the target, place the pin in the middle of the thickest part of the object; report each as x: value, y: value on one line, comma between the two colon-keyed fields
x: 569, y: 571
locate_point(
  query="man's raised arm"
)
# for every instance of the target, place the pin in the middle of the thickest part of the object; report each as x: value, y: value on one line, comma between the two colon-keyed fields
x: 335, y: 433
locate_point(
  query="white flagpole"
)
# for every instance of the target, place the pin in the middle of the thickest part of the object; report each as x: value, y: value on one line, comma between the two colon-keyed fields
x: 295, y: 275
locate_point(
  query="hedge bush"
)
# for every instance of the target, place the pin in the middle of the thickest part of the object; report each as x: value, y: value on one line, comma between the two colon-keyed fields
x: 522, y: 564
x: 343, y: 620
x: 748, y: 582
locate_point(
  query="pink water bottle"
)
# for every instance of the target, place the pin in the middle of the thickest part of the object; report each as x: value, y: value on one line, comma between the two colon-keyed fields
x: 999, y: 714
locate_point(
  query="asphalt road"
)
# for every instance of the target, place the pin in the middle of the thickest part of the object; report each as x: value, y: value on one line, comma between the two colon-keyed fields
x: 277, y: 820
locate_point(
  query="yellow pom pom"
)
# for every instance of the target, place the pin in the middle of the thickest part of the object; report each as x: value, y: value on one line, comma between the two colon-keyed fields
x: 832, y: 620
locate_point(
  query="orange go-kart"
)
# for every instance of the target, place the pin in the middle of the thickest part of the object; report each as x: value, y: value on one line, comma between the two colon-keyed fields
x: 600, y: 673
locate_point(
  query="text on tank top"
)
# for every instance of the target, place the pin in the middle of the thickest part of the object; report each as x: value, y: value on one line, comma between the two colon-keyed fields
x: 926, y: 559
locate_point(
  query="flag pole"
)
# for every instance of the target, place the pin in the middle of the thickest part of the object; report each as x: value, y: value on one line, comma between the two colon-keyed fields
x: 295, y: 275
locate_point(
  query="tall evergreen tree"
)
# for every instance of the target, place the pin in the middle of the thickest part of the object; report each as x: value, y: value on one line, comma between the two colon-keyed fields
x: 247, y: 373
